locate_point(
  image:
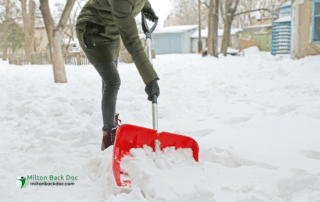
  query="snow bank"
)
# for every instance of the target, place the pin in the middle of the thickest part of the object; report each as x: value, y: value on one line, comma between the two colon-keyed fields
x: 171, y: 175
x: 251, y: 51
x: 256, y: 119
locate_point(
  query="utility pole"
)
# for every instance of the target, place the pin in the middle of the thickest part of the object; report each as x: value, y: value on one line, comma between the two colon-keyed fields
x: 200, y: 41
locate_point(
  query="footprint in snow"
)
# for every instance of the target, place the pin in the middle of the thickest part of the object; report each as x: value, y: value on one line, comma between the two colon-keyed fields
x: 311, y: 154
x: 236, y: 120
x: 287, y: 109
x: 196, y: 133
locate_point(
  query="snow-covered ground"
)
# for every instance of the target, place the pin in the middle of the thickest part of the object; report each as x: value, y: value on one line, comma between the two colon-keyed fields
x: 256, y: 119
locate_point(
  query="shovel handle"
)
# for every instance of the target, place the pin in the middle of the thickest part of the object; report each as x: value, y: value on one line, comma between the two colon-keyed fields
x: 145, y: 26
x: 155, y: 122
x: 155, y: 112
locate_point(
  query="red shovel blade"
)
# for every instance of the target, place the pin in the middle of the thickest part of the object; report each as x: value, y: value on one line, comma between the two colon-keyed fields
x: 130, y: 136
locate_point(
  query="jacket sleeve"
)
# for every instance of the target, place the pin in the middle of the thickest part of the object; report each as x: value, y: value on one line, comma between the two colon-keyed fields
x: 126, y: 24
x: 147, y: 5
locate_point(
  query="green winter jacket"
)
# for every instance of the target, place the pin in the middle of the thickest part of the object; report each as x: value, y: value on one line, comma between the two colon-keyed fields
x: 118, y: 19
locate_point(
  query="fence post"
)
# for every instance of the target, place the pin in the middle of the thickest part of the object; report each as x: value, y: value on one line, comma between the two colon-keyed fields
x: 78, y: 59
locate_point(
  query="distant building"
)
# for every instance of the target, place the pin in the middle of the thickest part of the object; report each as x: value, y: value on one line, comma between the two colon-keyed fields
x: 41, y: 40
x: 297, y: 31
x: 305, y: 28
x: 233, y: 43
x: 173, y: 39
x: 281, y: 29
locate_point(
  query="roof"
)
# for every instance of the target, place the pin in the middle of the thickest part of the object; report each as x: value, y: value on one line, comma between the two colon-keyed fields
x: 176, y: 29
x: 204, y: 33
x: 288, y: 3
x: 258, y: 26
x: 284, y: 19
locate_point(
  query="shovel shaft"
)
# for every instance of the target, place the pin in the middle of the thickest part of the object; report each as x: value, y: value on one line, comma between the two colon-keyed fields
x: 149, y: 49
x: 154, y: 100
x: 155, y: 116
x: 155, y: 123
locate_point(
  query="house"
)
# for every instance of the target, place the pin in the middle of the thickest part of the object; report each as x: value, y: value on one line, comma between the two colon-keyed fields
x: 173, y: 39
x: 305, y: 28
x: 41, y: 42
x: 281, y: 29
x: 234, y: 42
x: 260, y: 33
x: 297, y: 31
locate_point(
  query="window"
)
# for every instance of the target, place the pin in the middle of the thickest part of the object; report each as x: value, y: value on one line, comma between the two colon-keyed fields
x: 316, y: 20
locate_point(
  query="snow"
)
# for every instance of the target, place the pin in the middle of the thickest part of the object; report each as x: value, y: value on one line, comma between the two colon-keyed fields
x: 66, y: 41
x: 284, y: 19
x: 256, y: 119
x: 169, y: 170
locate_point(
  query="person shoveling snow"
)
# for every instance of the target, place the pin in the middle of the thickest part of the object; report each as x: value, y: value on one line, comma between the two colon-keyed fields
x: 99, y: 28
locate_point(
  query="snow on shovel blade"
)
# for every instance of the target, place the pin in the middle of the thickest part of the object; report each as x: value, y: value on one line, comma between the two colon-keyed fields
x: 130, y: 136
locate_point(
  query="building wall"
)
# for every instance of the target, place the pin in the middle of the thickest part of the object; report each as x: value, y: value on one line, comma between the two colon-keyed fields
x: 41, y: 39
x: 186, y: 42
x: 261, y: 22
x: 233, y: 43
x: 167, y: 43
x: 304, y: 46
x: 194, y: 44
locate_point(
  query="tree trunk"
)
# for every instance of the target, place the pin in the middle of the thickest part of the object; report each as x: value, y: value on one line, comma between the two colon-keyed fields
x: 54, y: 36
x: 25, y: 26
x: 226, y: 38
x: 6, y: 28
x: 213, y: 28
x: 228, y: 16
x: 32, y: 11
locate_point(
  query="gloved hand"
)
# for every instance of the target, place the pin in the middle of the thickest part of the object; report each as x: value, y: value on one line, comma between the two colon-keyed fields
x: 152, y: 88
x: 150, y: 14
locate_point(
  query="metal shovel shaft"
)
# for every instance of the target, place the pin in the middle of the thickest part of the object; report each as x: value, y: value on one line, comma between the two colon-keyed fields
x: 154, y: 101
x: 149, y: 49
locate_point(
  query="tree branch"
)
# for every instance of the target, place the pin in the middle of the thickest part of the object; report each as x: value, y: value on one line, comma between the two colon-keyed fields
x: 205, y: 3
x: 260, y: 9
x: 65, y: 15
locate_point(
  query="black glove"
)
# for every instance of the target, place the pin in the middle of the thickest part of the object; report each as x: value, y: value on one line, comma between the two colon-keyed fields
x: 152, y: 88
x: 150, y: 14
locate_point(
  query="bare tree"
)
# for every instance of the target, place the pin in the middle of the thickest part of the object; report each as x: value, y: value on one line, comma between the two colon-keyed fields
x: 185, y: 12
x: 248, y: 10
x: 10, y: 33
x: 54, y: 35
x: 28, y: 24
x: 213, y: 27
x: 6, y: 27
x: 228, y: 9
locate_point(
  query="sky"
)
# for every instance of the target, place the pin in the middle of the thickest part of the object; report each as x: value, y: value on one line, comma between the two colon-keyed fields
x: 162, y: 9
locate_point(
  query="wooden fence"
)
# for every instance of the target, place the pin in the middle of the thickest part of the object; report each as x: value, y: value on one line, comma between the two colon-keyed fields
x: 75, y: 58
x: 247, y: 43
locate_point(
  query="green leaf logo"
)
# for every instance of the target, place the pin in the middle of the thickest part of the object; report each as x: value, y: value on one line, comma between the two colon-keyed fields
x: 22, y: 182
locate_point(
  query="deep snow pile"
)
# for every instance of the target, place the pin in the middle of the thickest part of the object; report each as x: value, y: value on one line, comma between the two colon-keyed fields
x: 256, y: 119
x: 171, y: 175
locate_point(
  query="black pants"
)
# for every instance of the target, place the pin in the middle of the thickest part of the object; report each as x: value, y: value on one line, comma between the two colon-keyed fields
x: 110, y: 87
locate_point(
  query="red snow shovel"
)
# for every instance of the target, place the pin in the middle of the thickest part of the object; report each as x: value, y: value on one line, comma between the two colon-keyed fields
x: 130, y: 136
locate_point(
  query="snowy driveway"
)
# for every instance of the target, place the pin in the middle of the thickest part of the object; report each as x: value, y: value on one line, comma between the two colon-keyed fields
x: 256, y: 119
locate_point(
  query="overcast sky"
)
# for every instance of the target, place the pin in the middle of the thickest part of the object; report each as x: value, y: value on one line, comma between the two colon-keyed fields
x: 162, y: 9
